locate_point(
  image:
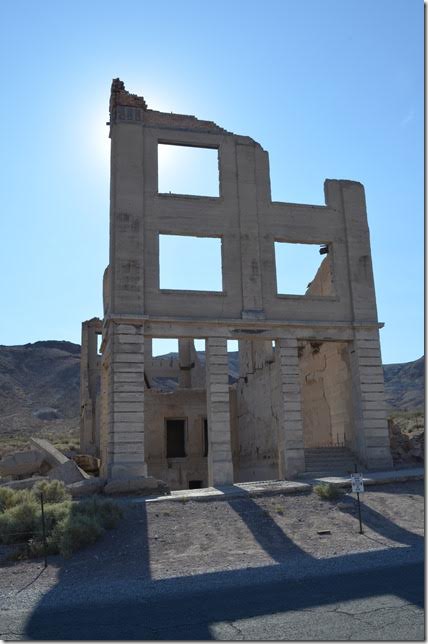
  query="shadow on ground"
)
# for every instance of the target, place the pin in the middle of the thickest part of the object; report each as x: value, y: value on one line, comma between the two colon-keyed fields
x: 122, y: 602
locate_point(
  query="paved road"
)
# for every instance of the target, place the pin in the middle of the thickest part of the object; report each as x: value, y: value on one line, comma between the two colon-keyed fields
x: 378, y: 603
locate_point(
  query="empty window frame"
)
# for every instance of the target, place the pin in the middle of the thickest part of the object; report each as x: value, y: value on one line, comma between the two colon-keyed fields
x: 188, y: 170
x: 301, y: 269
x: 99, y: 343
x: 164, y: 347
x: 175, y: 437
x: 190, y: 263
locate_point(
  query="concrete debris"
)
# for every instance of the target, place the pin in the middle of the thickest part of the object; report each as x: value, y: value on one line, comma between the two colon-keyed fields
x: 23, y: 484
x: 50, y: 453
x: 68, y: 472
x: 87, y: 462
x: 21, y: 463
x: 93, y: 485
x: 141, y: 485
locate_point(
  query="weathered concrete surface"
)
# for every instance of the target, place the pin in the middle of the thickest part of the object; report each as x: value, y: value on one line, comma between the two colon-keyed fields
x: 21, y: 463
x: 86, y: 487
x: 68, y: 472
x: 337, y: 308
x: 143, y: 485
x: 23, y: 484
x: 50, y: 453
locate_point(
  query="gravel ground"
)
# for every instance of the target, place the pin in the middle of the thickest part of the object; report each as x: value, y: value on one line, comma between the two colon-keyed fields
x: 197, y: 554
x: 173, y: 539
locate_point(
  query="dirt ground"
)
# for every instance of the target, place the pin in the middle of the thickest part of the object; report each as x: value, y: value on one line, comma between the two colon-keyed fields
x: 159, y: 540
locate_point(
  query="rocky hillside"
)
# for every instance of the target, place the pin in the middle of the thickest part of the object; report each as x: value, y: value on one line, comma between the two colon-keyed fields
x: 405, y: 384
x: 39, y: 386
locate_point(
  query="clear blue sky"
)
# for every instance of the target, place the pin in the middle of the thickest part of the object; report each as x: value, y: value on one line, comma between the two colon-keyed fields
x: 331, y: 88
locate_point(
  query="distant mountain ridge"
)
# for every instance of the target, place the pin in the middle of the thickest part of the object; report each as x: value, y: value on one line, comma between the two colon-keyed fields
x: 45, y: 375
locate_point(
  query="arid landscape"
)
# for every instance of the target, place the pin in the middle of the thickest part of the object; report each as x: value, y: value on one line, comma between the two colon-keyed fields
x: 39, y: 396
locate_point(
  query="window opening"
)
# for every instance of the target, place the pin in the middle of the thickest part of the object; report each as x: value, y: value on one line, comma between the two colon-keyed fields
x: 195, y: 485
x: 303, y: 269
x: 175, y: 438
x: 164, y: 346
x: 190, y: 263
x: 188, y: 170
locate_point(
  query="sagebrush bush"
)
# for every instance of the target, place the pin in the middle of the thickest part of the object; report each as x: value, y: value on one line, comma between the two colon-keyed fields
x: 19, y: 522
x: 69, y: 525
x: 327, y: 491
x: 77, y: 531
x: 106, y: 512
x: 6, y: 496
x: 53, y: 491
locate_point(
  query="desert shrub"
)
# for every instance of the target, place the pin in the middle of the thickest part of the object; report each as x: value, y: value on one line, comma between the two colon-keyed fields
x: 106, y: 512
x: 6, y: 498
x: 53, y: 491
x: 327, y: 491
x: 20, y: 522
x: 76, y: 531
x: 69, y: 525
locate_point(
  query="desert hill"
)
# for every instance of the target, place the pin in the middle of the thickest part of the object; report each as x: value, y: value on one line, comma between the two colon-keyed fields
x: 39, y: 386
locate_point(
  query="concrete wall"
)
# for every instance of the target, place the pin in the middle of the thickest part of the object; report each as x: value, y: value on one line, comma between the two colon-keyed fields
x: 190, y: 405
x: 90, y: 364
x: 326, y: 387
x: 257, y: 396
x: 339, y: 306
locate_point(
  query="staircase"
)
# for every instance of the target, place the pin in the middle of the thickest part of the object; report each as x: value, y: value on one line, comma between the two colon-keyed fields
x: 329, y: 461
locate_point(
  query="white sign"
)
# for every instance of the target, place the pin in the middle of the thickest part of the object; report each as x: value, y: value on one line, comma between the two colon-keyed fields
x: 357, y: 483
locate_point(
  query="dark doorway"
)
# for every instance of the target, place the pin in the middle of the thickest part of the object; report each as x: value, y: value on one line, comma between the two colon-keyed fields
x: 175, y: 438
x: 195, y: 485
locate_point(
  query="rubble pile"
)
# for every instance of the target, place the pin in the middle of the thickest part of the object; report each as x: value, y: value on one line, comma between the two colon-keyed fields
x: 407, y: 444
x: 22, y: 470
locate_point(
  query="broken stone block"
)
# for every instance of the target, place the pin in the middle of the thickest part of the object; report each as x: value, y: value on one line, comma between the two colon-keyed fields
x: 87, y: 462
x: 21, y: 463
x: 141, y: 485
x: 50, y: 453
x: 93, y: 485
x: 68, y: 472
x: 23, y: 484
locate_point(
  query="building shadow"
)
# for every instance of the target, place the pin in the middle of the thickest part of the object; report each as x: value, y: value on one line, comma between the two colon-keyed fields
x: 116, y: 599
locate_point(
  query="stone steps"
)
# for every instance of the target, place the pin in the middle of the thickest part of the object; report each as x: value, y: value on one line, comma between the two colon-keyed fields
x: 329, y: 460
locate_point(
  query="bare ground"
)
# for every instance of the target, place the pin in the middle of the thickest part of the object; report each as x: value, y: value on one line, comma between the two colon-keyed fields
x: 174, y: 539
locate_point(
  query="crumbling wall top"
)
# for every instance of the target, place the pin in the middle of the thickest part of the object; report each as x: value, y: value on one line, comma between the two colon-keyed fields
x: 120, y: 98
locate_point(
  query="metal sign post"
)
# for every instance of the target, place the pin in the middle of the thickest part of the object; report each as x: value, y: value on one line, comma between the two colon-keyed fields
x: 43, y: 529
x: 358, y: 486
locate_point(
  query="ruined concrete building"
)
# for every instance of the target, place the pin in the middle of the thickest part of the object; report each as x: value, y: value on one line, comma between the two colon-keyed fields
x: 310, y: 379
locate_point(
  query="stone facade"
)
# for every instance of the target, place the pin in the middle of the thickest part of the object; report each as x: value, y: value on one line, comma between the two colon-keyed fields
x: 310, y: 369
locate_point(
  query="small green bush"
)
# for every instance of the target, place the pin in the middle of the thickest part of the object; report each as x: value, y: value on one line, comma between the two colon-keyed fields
x: 106, y: 512
x: 19, y: 522
x: 77, y: 531
x: 69, y: 525
x: 53, y: 491
x: 6, y: 498
x: 327, y: 491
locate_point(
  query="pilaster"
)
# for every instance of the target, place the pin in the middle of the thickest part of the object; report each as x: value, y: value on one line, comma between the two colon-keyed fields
x: 368, y: 396
x: 220, y: 466
x: 125, y: 451
x: 291, y: 457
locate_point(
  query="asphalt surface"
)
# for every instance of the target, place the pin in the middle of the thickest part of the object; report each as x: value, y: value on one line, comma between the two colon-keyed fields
x: 376, y: 596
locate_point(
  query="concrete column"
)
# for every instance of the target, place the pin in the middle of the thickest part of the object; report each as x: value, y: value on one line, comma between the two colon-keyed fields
x: 368, y: 399
x: 125, y: 453
x: 184, y: 361
x: 220, y: 466
x: 291, y: 457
